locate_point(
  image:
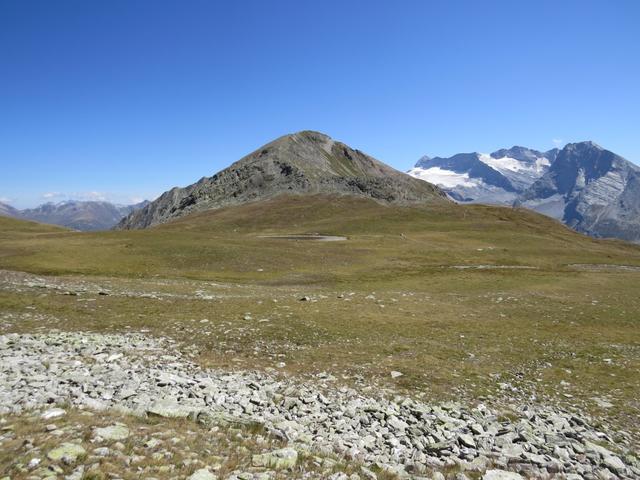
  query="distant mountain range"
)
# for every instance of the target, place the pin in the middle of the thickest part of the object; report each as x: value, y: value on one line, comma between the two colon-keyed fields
x: 585, y: 186
x: 78, y: 215
x: 301, y: 163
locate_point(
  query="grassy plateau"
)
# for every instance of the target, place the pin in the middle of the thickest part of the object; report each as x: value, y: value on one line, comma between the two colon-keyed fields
x: 474, y: 303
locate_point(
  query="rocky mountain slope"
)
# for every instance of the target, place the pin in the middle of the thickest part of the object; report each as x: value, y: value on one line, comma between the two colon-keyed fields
x: 496, y: 178
x: 302, y: 163
x: 590, y: 189
x: 79, y: 215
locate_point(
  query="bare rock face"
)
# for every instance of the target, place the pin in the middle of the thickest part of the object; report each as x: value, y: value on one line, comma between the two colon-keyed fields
x: 301, y: 163
x: 590, y: 189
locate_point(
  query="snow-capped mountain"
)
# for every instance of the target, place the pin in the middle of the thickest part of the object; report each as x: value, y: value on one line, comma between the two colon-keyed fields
x: 496, y: 178
x: 591, y: 190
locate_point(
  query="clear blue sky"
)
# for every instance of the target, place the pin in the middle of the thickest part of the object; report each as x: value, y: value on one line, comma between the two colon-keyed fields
x: 127, y: 98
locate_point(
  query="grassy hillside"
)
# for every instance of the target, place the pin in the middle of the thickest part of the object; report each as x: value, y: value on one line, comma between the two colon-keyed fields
x: 385, y: 244
x: 521, y: 322
x: 12, y: 228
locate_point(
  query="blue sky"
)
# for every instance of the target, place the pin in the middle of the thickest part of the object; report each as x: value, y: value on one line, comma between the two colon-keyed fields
x: 123, y: 99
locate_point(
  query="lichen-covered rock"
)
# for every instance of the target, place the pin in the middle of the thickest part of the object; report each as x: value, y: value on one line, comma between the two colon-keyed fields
x: 169, y: 408
x: 112, y: 432
x: 67, y: 452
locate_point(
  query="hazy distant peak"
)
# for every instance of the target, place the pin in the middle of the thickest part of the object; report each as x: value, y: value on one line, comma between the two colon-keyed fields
x: 76, y: 214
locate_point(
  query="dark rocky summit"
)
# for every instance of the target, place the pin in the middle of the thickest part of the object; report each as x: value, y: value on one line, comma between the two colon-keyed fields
x: 302, y: 163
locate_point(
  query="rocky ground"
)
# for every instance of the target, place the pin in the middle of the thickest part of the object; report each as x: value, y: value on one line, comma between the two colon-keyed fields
x: 87, y: 405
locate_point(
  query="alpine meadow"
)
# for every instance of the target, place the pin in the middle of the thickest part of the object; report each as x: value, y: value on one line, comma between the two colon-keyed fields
x: 297, y: 307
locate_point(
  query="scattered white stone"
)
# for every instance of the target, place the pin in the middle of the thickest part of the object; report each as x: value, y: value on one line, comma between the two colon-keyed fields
x: 53, y: 413
x: 501, y: 475
x: 602, y: 403
x: 102, y: 451
x: 466, y: 440
x: 152, y: 443
x: 203, y: 474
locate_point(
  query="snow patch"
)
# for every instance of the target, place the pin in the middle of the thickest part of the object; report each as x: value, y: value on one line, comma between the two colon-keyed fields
x: 443, y: 178
x: 513, y: 165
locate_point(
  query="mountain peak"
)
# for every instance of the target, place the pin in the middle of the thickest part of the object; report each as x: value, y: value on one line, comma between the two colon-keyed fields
x: 587, y: 144
x: 591, y: 189
x: 522, y: 154
x: 311, y: 134
x: 423, y: 160
x: 305, y: 162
